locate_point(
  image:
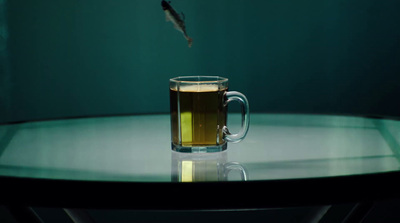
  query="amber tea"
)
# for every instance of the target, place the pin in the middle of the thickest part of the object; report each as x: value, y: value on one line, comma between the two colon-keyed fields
x: 201, y: 118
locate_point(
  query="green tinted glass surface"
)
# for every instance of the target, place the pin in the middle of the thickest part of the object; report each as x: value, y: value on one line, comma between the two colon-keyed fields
x: 137, y: 148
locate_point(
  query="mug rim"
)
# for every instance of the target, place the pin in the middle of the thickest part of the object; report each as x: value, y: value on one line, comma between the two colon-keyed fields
x: 200, y: 79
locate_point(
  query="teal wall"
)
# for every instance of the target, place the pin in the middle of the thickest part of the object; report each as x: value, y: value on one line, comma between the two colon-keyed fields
x: 69, y: 58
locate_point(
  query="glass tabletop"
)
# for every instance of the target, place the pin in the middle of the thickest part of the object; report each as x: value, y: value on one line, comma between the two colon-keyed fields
x: 137, y: 149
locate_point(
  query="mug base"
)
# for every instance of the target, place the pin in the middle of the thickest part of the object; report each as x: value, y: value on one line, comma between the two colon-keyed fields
x: 199, y: 149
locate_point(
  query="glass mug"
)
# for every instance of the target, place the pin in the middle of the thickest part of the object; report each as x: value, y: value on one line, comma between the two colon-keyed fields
x: 199, y: 114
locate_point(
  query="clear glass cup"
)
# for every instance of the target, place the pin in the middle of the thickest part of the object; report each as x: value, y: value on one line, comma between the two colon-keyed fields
x: 199, y: 114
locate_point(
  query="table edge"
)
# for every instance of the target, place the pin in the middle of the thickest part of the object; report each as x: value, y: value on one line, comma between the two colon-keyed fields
x: 200, y: 195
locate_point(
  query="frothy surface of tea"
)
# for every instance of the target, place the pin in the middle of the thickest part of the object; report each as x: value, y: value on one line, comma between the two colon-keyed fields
x: 199, y: 88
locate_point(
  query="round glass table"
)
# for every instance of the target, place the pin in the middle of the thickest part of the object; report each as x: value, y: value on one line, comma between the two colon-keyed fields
x: 127, y: 162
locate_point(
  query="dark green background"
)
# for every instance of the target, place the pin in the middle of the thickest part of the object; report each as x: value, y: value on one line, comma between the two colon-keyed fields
x: 70, y: 58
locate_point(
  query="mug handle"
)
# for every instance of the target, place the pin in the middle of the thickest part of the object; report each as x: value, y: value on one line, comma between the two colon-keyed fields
x: 237, y: 96
x: 236, y: 166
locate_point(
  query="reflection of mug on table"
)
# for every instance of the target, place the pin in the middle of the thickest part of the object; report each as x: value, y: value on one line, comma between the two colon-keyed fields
x: 199, y: 113
x: 187, y: 167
